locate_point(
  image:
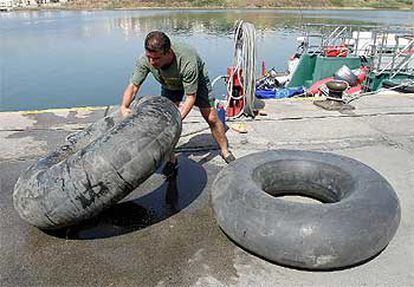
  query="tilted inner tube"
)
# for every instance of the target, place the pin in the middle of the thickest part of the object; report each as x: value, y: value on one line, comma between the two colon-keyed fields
x: 98, y: 166
x: 359, y: 217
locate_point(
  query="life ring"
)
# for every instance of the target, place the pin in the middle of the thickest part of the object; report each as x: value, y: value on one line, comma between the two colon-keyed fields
x: 360, y: 215
x: 98, y: 166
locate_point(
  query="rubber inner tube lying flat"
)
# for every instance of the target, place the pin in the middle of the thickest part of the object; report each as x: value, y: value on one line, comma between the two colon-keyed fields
x: 359, y: 217
x: 98, y: 166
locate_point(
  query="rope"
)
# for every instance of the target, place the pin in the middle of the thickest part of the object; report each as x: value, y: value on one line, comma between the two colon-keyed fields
x: 244, y: 66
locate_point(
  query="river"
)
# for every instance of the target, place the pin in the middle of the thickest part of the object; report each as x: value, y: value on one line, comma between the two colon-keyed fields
x: 53, y: 59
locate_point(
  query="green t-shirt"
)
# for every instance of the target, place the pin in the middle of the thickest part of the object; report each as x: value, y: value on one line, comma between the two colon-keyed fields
x: 188, y: 72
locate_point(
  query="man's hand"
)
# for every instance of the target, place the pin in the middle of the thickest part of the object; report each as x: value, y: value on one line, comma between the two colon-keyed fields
x: 127, y: 98
x: 125, y: 111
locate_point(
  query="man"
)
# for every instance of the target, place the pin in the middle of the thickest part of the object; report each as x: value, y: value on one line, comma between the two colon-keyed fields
x: 181, y: 71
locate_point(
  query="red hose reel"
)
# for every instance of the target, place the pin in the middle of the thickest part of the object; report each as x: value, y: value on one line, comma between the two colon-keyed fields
x: 236, y: 102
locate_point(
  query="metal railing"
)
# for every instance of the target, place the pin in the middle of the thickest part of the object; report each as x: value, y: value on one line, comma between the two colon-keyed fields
x: 397, y: 57
x: 390, y: 48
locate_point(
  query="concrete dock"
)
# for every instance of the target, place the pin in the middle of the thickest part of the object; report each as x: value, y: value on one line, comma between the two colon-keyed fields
x: 164, y: 233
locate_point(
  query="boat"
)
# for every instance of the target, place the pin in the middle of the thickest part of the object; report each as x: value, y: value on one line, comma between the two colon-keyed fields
x: 368, y: 58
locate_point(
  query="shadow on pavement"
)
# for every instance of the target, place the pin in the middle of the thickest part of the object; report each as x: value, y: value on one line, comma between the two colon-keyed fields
x: 202, y: 146
x: 161, y: 198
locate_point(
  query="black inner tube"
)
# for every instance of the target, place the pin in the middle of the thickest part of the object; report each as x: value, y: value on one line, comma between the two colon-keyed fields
x: 98, y: 166
x: 359, y: 218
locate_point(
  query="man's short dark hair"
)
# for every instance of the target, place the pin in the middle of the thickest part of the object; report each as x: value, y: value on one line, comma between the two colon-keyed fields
x: 157, y: 41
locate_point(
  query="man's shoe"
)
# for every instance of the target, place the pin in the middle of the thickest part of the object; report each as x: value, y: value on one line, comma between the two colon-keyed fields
x: 229, y: 158
x: 170, y: 169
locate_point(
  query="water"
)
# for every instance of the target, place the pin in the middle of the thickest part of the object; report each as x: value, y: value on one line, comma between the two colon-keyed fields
x: 54, y: 59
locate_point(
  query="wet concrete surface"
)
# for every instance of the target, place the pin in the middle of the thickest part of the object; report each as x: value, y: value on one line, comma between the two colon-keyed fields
x: 164, y: 233
x: 155, y: 200
x: 155, y: 236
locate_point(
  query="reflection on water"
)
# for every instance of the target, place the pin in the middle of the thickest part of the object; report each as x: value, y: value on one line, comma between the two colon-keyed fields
x: 155, y: 200
x: 211, y: 24
x: 221, y: 24
x: 77, y: 58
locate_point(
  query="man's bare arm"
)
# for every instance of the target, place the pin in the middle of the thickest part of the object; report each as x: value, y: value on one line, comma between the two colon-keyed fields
x: 129, y: 95
x: 187, y: 105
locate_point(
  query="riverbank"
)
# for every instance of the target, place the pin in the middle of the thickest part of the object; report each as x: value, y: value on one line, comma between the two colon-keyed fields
x: 70, y: 8
x: 226, y: 4
x: 232, y: 4
x: 213, y: 8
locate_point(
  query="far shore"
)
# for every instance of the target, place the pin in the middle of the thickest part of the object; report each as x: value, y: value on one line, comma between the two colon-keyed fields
x: 71, y: 8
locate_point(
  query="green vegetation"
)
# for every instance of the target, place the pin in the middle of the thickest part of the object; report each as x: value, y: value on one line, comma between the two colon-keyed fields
x: 391, y: 4
x: 394, y: 4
